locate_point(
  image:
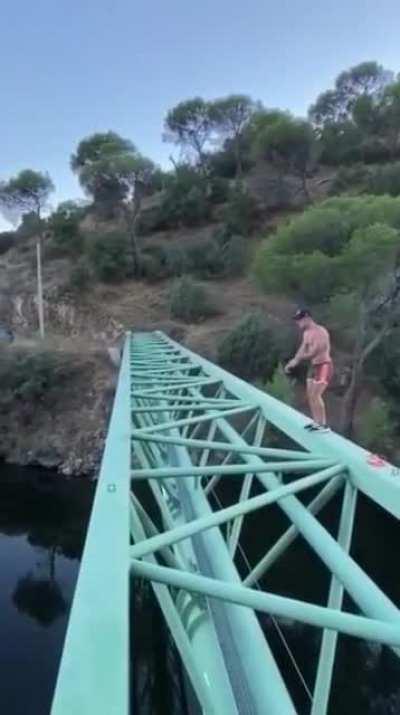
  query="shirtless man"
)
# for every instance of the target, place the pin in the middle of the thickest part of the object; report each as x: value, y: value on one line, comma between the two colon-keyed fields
x: 315, y: 348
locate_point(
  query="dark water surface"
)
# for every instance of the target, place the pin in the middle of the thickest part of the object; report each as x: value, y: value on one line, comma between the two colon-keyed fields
x: 43, y: 521
x: 42, y: 530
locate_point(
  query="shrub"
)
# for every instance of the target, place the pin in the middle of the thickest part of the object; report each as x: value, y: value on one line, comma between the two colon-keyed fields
x: 312, y: 277
x: 189, y: 301
x: 64, y: 225
x: 385, y: 180
x: 204, y: 258
x: 281, y: 387
x: 235, y: 256
x: 110, y: 256
x: 164, y: 260
x: 175, y: 258
x: 35, y: 376
x: 80, y: 276
x: 31, y: 225
x: 7, y: 241
x: 223, y: 164
x: 318, y: 229
x: 350, y: 179
x: 375, y: 427
x: 241, y: 212
x: 185, y: 200
x: 151, y: 267
x: 248, y: 349
x: 218, y: 190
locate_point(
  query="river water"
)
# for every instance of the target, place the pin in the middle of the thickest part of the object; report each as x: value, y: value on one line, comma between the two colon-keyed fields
x: 43, y: 523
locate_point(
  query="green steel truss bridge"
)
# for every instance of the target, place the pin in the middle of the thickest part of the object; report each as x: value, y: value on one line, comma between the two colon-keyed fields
x: 182, y: 424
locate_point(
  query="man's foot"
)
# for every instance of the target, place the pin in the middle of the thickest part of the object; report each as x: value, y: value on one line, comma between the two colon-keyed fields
x: 314, y: 427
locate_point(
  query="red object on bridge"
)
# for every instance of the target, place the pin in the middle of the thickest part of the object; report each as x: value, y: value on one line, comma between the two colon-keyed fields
x: 374, y: 460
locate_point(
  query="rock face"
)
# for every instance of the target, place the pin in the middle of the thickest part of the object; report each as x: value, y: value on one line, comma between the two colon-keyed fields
x: 63, y: 425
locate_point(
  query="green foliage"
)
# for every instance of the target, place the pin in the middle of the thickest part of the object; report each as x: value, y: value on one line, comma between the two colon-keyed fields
x: 7, y: 241
x: 390, y: 112
x: 366, y: 80
x: 185, y: 200
x: 241, y: 212
x: 340, y: 143
x: 345, y: 244
x: 248, y: 349
x: 286, y: 141
x: 80, y: 276
x: 164, y: 260
x: 31, y: 225
x: 281, y: 387
x: 341, y: 314
x: 235, y: 256
x: 218, y: 190
x: 317, y: 229
x: 377, y: 180
x: 98, y: 146
x: 204, y: 258
x: 110, y: 256
x: 190, y: 301
x: 111, y: 170
x: 352, y: 118
x: 385, y: 180
x: 376, y: 427
x: 28, y: 192
x: 34, y: 377
x: 351, y: 179
x: 190, y: 125
x: 230, y: 116
x: 223, y: 163
x: 64, y: 225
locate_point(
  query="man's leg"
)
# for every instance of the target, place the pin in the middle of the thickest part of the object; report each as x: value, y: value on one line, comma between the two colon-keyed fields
x: 319, y: 414
x: 311, y: 399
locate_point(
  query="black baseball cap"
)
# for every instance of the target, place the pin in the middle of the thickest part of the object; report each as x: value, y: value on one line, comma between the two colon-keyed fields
x: 301, y: 313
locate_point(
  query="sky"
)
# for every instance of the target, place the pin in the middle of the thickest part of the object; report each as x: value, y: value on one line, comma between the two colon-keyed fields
x: 73, y: 67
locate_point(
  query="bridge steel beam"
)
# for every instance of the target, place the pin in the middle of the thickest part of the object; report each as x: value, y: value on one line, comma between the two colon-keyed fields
x: 93, y: 677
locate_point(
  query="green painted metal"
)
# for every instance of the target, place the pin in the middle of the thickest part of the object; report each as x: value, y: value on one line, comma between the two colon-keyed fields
x: 191, y: 424
x: 94, y: 673
x: 335, y: 600
x: 232, y: 469
x: 283, y: 543
x: 247, y: 506
x: 368, y: 628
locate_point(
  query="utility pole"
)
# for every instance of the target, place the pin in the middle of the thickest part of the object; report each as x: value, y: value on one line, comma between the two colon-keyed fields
x: 40, y: 287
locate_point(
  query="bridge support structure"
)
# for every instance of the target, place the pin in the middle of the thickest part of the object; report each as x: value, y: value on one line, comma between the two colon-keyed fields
x: 183, y: 426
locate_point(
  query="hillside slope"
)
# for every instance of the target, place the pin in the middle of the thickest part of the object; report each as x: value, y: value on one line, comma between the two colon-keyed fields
x: 68, y: 432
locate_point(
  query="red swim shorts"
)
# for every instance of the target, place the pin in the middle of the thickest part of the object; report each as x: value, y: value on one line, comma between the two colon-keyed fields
x: 321, y: 373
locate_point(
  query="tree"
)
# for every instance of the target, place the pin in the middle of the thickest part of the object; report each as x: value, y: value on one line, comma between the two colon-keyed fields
x: 335, y: 106
x: 287, y: 142
x: 190, y: 125
x: 248, y: 350
x: 390, y: 116
x: 64, y: 225
x: 230, y: 116
x: 29, y: 192
x: 92, y: 153
x: 363, y: 263
x: 107, y: 162
x: 98, y: 147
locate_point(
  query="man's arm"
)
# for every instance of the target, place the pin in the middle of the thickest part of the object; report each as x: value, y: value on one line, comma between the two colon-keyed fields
x: 304, y: 352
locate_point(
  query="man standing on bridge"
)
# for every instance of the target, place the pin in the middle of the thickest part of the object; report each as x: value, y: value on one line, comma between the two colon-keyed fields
x: 315, y: 348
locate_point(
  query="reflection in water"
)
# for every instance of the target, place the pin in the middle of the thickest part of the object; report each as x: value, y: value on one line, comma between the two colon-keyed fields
x: 42, y: 531
x: 43, y: 522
